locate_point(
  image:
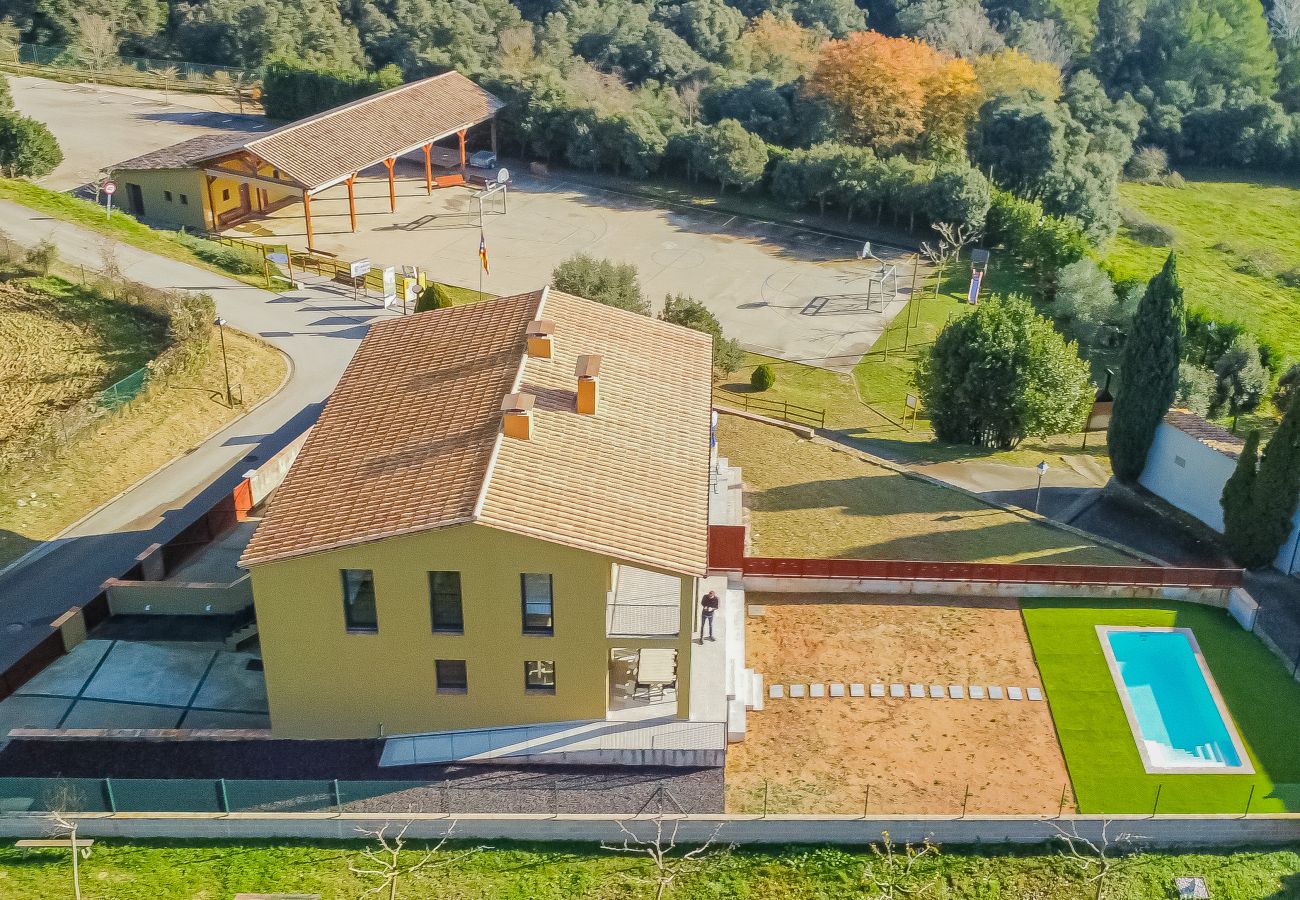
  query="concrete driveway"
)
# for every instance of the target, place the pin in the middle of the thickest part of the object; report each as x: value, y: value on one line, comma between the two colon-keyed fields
x: 782, y: 291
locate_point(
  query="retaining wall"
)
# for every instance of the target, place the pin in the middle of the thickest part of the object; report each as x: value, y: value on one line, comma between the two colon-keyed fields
x: 178, y: 598
x: 1148, y: 832
x: 1010, y: 589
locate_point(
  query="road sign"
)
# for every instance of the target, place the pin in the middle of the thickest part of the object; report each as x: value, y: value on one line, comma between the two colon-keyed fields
x: 359, y: 267
x: 109, y: 188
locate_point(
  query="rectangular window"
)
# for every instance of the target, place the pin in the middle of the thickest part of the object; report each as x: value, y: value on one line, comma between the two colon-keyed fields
x: 185, y: 200
x: 444, y: 602
x: 452, y: 678
x: 539, y: 676
x: 359, y: 600
x: 536, y: 592
x: 167, y: 195
x: 225, y: 193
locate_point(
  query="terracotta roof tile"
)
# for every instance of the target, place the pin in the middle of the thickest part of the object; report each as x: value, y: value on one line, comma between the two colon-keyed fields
x: 186, y: 153
x: 410, y: 440
x: 1213, y: 436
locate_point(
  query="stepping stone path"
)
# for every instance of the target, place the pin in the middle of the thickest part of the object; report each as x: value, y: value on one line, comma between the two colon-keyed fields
x: 936, y: 692
x: 857, y: 690
x: 916, y: 690
x: 837, y: 690
x: 797, y: 691
x: 898, y: 691
x: 956, y: 692
x: 817, y: 690
x: 1014, y: 693
x: 977, y: 692
x: 877, y: 690
x: 1033, y: 693
x: 995, y: 692
x: 775, y: 691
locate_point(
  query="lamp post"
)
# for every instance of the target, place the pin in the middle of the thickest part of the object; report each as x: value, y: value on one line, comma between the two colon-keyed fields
x: 1042, y: 468
x: 225, y: 364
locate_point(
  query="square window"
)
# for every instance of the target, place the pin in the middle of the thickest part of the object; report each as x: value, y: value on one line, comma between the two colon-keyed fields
x: 539, y: 676
x: 452, y: 678
x: 359, y: 600
x: 225, y: 193
x: 444, y: 602
x: 167, y: 195
x: 535, y: 590
x: 185, y: 201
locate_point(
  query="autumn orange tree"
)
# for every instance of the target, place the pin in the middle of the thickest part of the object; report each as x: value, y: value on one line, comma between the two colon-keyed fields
x: 777, y: 47
x: 1011, y: 71
x: 887, y: 93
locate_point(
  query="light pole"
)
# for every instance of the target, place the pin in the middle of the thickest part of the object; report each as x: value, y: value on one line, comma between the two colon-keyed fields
x: 225, y: 364
x: 1038, y: 494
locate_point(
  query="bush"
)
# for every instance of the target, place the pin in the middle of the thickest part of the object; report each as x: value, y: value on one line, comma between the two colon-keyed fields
x: 1287, y: 387
x: 27, y: 148
x: 763, y: 378
x: 42, y: 256
x: 1175, y: 181
x: 1148, y: 164
x: 1196, y: 387
x: 231, y: 259
x: 691, y: 313
x: 1145, y: 231
x: 601, y: 280
x: 434, y: 296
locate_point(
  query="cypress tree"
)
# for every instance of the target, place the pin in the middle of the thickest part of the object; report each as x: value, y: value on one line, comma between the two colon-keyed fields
x: 1148, y: 373
x: 1277, y: 489
x: 1238, y: 501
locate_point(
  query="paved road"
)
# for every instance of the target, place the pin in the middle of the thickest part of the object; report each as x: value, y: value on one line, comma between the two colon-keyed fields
x: 318, y: 328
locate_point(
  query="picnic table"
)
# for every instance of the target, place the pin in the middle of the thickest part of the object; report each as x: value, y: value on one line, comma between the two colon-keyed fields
x: 656, y: 669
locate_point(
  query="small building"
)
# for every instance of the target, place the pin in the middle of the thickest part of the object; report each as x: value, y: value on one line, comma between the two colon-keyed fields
x: 501, y: 519
x: 1190, y: 462
x: 213, y: 181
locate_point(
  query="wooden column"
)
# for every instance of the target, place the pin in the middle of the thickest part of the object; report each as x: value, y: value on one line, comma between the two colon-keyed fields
x: 494, y: 137
x: 392, y: 189
x: 352, y: 203
x: 461, y: 134
x: 212, y: 201
x: 428, y: 168
x: 306, y: 211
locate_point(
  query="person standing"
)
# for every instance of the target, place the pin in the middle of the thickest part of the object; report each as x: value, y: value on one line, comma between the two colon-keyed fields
x: 708, y: 607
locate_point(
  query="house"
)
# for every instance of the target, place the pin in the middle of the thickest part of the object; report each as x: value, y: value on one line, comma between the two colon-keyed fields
x: 1189, y: 463
x: 215, y: 180
x: 500, y: 520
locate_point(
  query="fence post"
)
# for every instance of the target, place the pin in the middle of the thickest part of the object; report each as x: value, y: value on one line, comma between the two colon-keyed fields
x: 338, y: 797
x: 108, y: 793
x: 866, y: 802
x: 965, y: 800
x: 1060, y: 811
x: 1156, y: 805
x: 765, y: 792
x: 223, y: 796
x: 1249, y: 797
x: 555, y: 795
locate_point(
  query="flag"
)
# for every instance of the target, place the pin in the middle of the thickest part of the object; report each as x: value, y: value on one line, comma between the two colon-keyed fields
x: 482, y: 251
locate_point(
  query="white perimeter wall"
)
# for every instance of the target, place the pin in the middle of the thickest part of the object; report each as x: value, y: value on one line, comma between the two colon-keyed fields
x: 1196, y: 486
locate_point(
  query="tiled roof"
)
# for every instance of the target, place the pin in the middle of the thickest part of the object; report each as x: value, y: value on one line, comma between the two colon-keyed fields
x: 1213, y: 436
x: 338, y: 142
x: 410, y: 439
x: 188, y: 152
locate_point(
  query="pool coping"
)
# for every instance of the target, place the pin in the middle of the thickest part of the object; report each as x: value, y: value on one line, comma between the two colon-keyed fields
x: 1245, y: 768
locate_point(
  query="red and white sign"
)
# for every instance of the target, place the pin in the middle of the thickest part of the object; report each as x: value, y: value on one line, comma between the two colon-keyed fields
x: 109, y: 187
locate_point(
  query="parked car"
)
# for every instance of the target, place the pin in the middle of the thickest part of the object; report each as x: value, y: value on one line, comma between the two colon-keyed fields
x: 483, y: 159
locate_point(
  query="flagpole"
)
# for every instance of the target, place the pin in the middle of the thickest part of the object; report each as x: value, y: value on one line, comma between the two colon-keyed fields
x: 480, y: 249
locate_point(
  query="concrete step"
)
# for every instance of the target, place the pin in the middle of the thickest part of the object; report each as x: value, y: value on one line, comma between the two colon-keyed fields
x: 237, y: 637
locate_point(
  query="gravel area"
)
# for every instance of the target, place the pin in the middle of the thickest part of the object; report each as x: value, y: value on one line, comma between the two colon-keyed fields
x: 314, y: 765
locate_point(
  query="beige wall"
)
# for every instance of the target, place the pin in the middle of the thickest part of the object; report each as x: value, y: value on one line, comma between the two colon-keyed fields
x: 157, y: 208
x: 324, y: 682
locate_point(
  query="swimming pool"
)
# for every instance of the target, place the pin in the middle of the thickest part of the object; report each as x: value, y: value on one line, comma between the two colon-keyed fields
x: 1174, y: 708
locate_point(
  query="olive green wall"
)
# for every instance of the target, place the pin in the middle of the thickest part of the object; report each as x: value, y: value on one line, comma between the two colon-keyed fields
x: 324, y: 682
x: 153, y: 182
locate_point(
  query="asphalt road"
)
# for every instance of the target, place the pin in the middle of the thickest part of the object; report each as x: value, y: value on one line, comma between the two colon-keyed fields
x: 318, y: 328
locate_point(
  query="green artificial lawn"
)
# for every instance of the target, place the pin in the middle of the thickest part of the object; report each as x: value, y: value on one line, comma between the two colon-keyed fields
x: 1100, y: 751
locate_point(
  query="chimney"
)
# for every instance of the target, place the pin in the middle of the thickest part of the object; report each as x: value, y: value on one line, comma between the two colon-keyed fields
x: 588, y: 372
x: 541, y: 338
x: 517, y: 416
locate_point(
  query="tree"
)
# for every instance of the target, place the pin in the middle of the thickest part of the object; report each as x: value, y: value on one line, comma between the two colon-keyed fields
x: 951, y: 99
x: 1240, y: 379
x: 730, y: 154
x: 43, y: 256
x: 603, y: 280
x: 1000, y: 374
x: 1009, y: 72
x: 1096, y: 859
x: 959, y: 27
x: 691, y: 313
x: 27, y: 148
x: 1277, y: 489
x: 97, y: 41
x: 385, y: 862
x: 1148, y: 373
x: 660, y: 847
x: 1195, y: 388
x: 1086, y: 303
x: 893, y: 873
x: 959, y: 195
x: 1287, y: 387
x: 1208, y: 43
x: 777, y: 47
x: 10, y: 38
x: 1238, y: 502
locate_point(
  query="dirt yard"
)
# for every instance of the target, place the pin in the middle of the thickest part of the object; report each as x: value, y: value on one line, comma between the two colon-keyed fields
x: 912, y: 755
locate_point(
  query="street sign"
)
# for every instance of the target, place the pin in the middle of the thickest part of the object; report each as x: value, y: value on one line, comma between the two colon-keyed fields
x: 109, y: 188
x: 359, y: 267
x: 280, y: 259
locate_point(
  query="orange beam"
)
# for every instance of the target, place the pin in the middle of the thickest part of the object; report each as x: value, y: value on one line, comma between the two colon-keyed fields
x: 212, y: 201
x: 306, y: 211
x: 461, y: 134
x: 352, y: 203
x: 428, y: 169
x: 392, y: 189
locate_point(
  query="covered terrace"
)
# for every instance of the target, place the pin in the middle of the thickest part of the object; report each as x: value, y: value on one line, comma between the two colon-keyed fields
x: 331, y: 148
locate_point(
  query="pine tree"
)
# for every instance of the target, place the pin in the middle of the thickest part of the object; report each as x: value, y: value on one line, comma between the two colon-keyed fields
x: 1277, y: 489
x: 1238, y: 501
x: 1148, y: 373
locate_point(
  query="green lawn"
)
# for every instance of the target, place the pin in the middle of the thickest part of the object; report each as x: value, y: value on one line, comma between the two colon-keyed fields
x: 1238, y: 247
x: 146, y: 870
x: 1100, y: 752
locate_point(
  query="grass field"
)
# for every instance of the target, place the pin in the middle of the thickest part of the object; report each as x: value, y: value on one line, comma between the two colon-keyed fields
x: 811, y: 500
x: 1100, y: 752
x: 1238, y: 248
x: 212, y: 870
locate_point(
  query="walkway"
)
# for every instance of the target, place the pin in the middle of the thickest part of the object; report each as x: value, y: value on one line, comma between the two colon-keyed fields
x: 318, y: 328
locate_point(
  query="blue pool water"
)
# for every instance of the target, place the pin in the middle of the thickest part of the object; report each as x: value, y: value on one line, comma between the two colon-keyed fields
x: 1179, y: 719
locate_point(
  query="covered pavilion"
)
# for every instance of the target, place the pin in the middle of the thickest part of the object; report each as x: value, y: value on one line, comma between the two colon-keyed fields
x: 308, y: 156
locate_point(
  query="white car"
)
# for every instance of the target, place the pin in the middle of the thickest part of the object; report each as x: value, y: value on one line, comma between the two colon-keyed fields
x: 483, y: 159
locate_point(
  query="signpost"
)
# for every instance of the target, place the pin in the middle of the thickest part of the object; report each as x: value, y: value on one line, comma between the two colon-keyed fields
x: 108, y: 189
x: 390, y: 286
x: 910, y: 406
x: 357, y: 269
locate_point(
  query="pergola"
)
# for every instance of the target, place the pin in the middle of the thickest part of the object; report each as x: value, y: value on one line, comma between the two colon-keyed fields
x: 333, y: 147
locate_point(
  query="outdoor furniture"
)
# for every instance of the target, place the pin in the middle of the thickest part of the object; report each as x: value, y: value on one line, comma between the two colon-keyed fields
x: 443, y: 181
x: 62, y: 843
x: 655, y: 670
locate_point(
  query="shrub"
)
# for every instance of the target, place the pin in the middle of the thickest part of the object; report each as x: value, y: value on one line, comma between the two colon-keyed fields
x: 231, y: 259
x: 1148, y: 164
x: 27, y: 148
x: 1287, y: 387
x: 602, y: 280
x: 1196, y: 387
x: 1176, y: 181
x: 42, y: 256
x: 763, y: 378
x: 434, y: 296
x: 1145, y: 231
x: 691, y: 313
